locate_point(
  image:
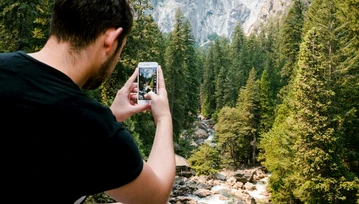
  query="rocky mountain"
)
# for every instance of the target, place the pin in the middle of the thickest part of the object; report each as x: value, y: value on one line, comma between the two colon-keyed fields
x: 217, y: 17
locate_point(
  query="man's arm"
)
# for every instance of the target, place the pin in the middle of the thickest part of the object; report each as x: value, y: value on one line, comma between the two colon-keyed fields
x: 155, y: 182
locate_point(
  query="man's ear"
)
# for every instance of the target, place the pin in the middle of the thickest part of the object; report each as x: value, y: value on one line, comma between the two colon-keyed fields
x: 111, y: 41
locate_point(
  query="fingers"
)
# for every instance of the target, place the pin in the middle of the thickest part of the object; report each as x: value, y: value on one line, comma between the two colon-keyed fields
x: 133, y: 96
x: 161, y: 80
x: 129, y: 83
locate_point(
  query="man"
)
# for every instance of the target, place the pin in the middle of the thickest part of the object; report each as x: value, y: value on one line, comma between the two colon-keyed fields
x: 59, y: 145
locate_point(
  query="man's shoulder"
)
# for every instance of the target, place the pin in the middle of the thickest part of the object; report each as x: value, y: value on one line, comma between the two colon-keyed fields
x: 8, y: 56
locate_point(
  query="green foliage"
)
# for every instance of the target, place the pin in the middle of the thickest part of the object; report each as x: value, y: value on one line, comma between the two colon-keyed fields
x: 142, y: 127
x: 232, y: 82
x: 99, y: 198
x: 182, y: 68
x: 292, y: 37
x: 221, y: 66
x: 227, y: 136
x: 193, y: 66
x: 348, y: 93
x: 206, y: 160
x: 319, y: 146
x: 208, y: 87
x: 24, y: 25
x: 265, y: 104
x: 184, y: 147
x: 269, y: 40
x: 247, y: 107
x: 277, y: 156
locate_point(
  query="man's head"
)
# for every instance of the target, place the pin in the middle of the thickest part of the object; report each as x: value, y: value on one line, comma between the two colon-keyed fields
x: 81, y: 22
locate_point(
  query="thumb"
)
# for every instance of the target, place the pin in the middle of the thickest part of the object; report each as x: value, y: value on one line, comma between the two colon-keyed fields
x: 150, y: 95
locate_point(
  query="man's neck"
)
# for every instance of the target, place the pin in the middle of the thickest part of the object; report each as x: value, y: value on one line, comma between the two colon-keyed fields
x: 77, y: 65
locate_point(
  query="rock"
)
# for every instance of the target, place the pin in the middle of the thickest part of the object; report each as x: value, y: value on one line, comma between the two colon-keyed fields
x: 182, y: 200
x: 202, y: 193
x: 201, y: 134
x: 243, y: 177
x: 231, y: 181
x: 227, y: 192
x: 204, y: 186
x: 220, y: 176
x: 193, y: 143
x: 249, y: 186
x: 181, y: 161
x: 238, y: 185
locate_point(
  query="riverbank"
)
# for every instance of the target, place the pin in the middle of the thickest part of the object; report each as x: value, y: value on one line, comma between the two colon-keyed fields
x: 246, y: 186
x: 241, y: 186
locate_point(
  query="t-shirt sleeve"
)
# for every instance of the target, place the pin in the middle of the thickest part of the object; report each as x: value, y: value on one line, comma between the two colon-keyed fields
x: 125, y: 159
x: 111, y: 151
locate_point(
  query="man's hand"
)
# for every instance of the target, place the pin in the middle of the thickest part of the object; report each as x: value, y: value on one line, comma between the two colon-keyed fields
x: 159, y: 101
x: 125, y: 105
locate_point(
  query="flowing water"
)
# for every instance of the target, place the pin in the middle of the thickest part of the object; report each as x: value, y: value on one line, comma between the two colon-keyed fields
x: 216, y: 198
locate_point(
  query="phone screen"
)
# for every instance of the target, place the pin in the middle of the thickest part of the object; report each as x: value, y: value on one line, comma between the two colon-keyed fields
x: 147, y: 81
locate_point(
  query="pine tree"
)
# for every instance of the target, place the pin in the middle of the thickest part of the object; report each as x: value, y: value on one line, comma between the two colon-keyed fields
x: 227, y: 137
x: 24, y: 25
x: 292, y: 37
x: 176, y: 72
x: 221, y: 67
x: 322, y: 177
x: 247, y: 107
x: 269, y: 39
x: 232, y: 82
x: 348, y: 32
x: 208, y: 87
x: 193, y: 77
x: 265, y: 104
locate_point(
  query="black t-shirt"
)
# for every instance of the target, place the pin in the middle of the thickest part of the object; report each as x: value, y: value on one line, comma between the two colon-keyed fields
x: 56, y: 143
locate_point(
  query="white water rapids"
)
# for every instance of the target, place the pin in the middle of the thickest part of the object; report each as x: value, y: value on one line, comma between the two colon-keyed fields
x: 258, y: 194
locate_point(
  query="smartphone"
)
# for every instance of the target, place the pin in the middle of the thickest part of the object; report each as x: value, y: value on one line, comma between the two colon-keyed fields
x: 146, y: 80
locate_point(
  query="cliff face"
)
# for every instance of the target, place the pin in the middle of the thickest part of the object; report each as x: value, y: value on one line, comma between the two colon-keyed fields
x: 208, y: 17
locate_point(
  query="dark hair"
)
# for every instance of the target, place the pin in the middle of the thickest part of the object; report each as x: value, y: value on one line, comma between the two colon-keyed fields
x: 80, y: 22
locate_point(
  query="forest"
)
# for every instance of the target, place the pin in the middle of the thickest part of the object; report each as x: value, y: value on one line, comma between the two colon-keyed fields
x: 285, y: 97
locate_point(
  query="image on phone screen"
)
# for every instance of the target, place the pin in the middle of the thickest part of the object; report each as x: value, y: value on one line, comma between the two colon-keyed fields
x: 147, y: 81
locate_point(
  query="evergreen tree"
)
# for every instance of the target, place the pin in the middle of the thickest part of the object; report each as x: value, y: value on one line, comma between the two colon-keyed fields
x: 176, y: 72
x: 348, y: 92
x: 227, y: 137
x: 265, y: 104
x: 256, y: 54
x: 233, y: 74
x: 193, y: 77
x: 244, y: 64
x: 277, y: 154
x: 270, y: 40
x: 221, y: 67
x: 292, y: 37
x: 247, y: 107
x: 24, y: 25
x: 208, y: 87
x: 322, y: 177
